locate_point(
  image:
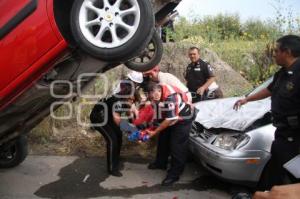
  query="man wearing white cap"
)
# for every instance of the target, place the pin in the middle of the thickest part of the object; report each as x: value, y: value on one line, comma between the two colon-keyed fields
x: 107, y: 114
x: 133, y: 77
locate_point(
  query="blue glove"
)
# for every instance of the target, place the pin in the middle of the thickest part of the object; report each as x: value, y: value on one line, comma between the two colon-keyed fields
x: 145, y: 138
x: 134, y: 136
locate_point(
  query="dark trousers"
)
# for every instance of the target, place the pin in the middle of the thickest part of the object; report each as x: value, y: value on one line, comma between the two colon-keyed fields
x: 282, y: 150
x: 111, y: 133
x: 173, y: 141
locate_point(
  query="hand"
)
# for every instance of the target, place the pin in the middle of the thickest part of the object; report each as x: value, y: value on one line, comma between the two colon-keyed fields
x: 237, y: 105
x: 151, y: 133
x: 201, y: 90
x: 291, y: 191
x: 134, y: 110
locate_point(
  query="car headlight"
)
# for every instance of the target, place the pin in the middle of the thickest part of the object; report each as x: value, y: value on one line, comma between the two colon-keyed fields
x: 231, y: 141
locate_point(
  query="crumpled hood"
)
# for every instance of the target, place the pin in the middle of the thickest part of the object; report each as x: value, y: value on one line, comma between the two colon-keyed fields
x: 219, y: 113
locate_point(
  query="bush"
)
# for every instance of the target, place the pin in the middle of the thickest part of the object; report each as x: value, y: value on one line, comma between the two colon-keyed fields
x: 225, y: 27
x: 220, y: 27
x: 247, y: 47
x: 256, y: 29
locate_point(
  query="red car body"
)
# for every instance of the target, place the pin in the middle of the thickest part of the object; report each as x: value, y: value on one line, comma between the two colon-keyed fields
x: 30, y: 43
x: 42, y: 41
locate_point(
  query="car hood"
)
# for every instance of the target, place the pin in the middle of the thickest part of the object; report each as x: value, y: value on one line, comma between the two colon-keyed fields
x: 219, y: 113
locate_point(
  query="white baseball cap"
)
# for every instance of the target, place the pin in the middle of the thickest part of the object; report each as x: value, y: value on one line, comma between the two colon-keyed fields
x: 136, y: 76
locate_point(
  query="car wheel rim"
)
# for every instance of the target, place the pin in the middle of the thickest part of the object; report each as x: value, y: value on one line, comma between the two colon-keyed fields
x: 147, y: 55
x: 8, y: 154
x: 109, y: 23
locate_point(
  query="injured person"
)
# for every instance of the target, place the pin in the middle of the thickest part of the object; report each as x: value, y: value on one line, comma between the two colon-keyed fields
x: 141, y: 122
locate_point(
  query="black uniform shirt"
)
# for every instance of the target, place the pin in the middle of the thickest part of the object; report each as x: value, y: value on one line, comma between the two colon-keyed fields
x: 103, y: 110
x: 285, y: 89
x: 197, y: 74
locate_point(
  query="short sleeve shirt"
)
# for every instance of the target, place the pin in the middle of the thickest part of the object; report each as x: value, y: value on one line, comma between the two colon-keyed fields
x: 197, y: 74
x: 170, y: 79
x: 285, y: 89
x: 173, y: 108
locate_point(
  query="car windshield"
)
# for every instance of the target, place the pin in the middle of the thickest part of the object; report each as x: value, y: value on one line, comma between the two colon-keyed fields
x: 262, y: 86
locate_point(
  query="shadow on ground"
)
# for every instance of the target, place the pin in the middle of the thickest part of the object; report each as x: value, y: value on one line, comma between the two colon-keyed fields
x: 71, y: 185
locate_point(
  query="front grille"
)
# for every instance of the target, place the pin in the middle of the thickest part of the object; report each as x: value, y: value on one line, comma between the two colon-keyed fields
x: 206, y: 135
x: 199, y: 131
x: 197, y: 128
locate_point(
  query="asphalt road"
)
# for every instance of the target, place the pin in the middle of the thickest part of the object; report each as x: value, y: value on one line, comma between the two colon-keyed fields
x: 73, y: 177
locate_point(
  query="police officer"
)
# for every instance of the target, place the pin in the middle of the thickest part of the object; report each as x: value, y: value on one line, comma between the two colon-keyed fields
x: 200, y: 78
x: 285, y: 96
x: 106, y: 117
x: 175, y: 117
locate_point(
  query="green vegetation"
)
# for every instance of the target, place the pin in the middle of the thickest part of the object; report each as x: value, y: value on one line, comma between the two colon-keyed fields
x: 247, y: 47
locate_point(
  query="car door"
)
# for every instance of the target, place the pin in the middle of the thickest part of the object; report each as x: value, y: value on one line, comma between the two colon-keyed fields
x: 25, y: 36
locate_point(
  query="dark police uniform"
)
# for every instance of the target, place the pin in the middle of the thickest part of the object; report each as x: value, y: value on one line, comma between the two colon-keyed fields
x: 174, y: 139
x: 102, y: 120
x: 110, y: 130
x: 196, y: 75
x: 285, y: 108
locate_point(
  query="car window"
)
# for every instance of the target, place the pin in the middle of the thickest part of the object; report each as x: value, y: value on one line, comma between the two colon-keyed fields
x: 262, y: 86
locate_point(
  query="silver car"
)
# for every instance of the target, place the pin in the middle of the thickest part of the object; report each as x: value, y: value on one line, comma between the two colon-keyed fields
x: 233, y: 145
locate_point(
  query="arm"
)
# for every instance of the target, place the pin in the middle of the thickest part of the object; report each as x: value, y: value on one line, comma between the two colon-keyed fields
x: 208, y: 71
x: 117, y: 118
x: 205, y: 86
x: 165, y: 124
x: 171, y: 116
x: 134, y: 111
x: 257, y: 96
x: 291, y: 191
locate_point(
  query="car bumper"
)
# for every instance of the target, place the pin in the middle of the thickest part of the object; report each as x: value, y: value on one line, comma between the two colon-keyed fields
x: 237, y: 166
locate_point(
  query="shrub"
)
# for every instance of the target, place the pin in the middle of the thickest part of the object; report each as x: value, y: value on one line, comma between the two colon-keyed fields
x: 257, y: 29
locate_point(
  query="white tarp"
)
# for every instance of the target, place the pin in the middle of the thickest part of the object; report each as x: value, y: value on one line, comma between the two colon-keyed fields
x: 220, y: 113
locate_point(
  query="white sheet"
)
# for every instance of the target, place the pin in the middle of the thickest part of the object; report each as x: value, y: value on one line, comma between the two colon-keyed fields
x: 220, y: 113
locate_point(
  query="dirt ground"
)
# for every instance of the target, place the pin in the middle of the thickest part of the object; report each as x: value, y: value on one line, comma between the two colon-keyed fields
x: 75, y: 140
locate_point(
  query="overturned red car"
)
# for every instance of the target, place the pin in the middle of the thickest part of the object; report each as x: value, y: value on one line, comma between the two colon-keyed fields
x: 42, y: 41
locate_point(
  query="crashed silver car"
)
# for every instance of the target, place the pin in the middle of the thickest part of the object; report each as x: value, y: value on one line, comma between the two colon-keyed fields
x: 233, y: 145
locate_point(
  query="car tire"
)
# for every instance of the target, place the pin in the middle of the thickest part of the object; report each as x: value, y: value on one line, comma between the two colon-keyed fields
x: 14, y: 153
x: 132, y: 27
x: 150, y: 56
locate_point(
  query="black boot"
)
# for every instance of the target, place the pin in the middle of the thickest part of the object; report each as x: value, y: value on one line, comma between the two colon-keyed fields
x: 168, y: 181
x: 115, y: 173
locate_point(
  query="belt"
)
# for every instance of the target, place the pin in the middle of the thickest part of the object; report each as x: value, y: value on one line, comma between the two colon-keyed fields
x: 287, y: 122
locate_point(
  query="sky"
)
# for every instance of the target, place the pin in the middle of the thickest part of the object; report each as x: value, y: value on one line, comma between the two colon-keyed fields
x: 262, y: 9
